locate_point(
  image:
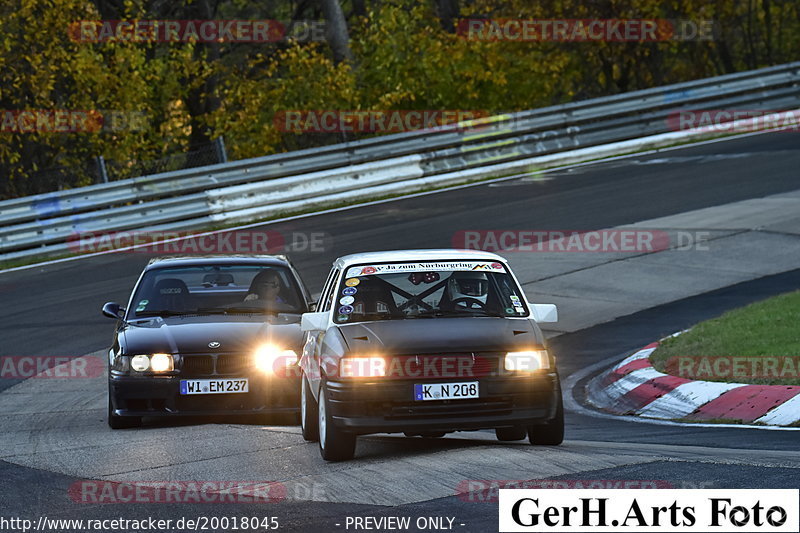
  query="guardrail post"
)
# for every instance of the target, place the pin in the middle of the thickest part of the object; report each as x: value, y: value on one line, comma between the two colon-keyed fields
x: 219, y: 144
x: 101, y: 168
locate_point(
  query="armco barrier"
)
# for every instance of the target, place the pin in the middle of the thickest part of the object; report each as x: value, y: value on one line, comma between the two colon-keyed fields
x: 196, y: 205
x: 246, y: 190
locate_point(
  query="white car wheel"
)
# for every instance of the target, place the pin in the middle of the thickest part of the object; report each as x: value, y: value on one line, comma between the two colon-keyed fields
x: 309, y: 423
x: 334, y: 443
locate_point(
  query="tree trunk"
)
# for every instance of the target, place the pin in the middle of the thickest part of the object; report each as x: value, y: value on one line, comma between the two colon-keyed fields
x: 337, y: 34
x: 765, y: 5
x: 448, y: 12
x: 203, y: 99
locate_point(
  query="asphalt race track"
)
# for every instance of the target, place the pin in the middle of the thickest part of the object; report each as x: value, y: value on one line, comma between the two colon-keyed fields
x: 55, y: 434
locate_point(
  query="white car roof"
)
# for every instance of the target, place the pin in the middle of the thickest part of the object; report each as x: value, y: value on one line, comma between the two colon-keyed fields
x: 416, y: 255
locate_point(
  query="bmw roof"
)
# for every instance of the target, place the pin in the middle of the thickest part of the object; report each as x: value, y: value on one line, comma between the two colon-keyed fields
x: 416, y: 255
x: 202, y: 260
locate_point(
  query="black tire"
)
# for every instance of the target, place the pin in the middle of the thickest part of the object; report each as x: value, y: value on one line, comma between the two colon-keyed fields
x: 550, y: 433
x: 121, y: 422
x: 309, y: 424
x: 334, y: 444
x: 510, y: 434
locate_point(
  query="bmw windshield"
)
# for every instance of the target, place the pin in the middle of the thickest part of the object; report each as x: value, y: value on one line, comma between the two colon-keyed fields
x: 412, y: 290
x: 216, y: 289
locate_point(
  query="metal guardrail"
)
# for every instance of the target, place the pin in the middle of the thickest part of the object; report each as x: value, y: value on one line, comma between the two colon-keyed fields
x: 248, y: 189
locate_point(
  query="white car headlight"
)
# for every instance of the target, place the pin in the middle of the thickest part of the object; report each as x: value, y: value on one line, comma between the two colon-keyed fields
x: 271, y: 358
x: 140, y: 363
x: 527, y: 361
x: 161, y: 362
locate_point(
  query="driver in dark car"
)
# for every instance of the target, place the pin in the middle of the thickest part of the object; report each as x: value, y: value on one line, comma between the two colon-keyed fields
x: 265, y: 288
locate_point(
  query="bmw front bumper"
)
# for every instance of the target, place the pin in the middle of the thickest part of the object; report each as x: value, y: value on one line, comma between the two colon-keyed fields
x: 160, y: 396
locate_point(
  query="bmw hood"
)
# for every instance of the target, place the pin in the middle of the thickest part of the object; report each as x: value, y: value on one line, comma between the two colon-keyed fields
x: 484, y: 334
x: 192, y: 335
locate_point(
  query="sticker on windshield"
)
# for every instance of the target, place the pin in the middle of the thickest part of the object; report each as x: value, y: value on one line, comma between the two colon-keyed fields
x: 509, y: 310
x: 345, y: 309
x: 343, y: 318
x: 515, y: 298
x: 449, y: 266
x: 361, y: 271
x: 349, y: 291
x: 142, y: 305
x: 352, y: 282
x: 418, y: 277
x: 347, y: 300
x: 520, y: 310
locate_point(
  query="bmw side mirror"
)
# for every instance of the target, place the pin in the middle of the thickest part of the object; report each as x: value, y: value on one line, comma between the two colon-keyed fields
x: 113, y: 310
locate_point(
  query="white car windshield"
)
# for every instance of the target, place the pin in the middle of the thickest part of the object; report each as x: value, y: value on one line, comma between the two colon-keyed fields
x: 442, y: 289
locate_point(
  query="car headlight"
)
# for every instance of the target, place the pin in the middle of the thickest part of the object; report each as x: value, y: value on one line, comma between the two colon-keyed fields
x: 157, y: 362
x: 527, y: 361
x: 161, y: 362
x: 271, y: 358
x: 362, y: 367
x: 140, y: 363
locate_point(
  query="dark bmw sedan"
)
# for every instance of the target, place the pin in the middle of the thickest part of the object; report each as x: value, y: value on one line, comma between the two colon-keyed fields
x: 207, y: 335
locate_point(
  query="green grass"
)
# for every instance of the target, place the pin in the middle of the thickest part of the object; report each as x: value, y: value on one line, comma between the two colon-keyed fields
x: 767, y: 333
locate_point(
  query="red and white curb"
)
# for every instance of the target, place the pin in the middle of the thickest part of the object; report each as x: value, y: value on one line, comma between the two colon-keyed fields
x: 634, y: 387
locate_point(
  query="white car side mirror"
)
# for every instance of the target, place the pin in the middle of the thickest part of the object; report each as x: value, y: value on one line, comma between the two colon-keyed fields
x: 543, y: 312
x: 314, y: 322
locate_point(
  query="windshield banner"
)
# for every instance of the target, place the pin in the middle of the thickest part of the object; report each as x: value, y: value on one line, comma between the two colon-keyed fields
x: 448, y: 266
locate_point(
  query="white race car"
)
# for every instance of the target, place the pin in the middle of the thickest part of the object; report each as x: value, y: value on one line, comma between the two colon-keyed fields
x: 426, y: 342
